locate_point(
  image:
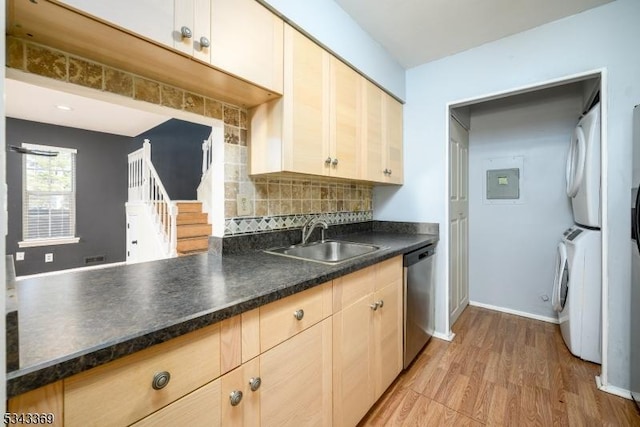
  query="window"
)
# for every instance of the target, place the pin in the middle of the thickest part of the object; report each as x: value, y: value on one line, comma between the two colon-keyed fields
x: 48, y: 197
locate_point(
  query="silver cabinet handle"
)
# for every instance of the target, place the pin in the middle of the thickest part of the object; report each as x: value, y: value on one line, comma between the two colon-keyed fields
x: 160, y: 380
x: 335, y: 162
x: 328, y: 161
x: 374, y: 306
x: 255, y: 383
x: 235, y: 397
x: 386, y: 171
x: 204, y: 42
x: 299, y: 314
x: 389, y: 172
x: 380, y: 303
x: 185, y: 32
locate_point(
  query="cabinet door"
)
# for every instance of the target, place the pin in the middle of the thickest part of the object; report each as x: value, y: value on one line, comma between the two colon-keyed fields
x: 372, y: 144
x: 246, y: 411
x: 393, y: 140
x: 150, y: 18
x: 247, y: 40
x: 387, y: 336
x: 306, y: 115
x: 296, y: 380
x: 345, y: 120
x: 353, y: 349
x: 196, y: 16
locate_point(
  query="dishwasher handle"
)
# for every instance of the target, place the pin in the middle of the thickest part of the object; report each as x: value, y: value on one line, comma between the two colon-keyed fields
x: 419, y: 255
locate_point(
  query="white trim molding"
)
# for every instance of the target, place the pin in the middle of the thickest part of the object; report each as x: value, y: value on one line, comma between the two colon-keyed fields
x: 48, y: 242
x: 616, y: 391
x: 446, y: 337
x: 71, y: 270
x: 515, y: 312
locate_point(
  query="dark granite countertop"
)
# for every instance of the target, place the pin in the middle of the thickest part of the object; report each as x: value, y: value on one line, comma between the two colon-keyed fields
x: 74, y: 321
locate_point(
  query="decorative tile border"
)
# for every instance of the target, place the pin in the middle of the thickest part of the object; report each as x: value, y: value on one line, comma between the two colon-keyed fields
x: 248, y: 225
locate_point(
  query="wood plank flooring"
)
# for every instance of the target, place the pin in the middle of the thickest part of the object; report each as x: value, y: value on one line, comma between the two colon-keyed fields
x: 500, y: 370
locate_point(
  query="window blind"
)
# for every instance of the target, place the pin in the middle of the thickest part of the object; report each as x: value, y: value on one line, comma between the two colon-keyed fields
x: 49, y: 194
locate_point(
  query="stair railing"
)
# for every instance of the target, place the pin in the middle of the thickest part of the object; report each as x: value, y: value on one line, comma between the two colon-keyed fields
x: 207, y: 154
x: 145, y: 186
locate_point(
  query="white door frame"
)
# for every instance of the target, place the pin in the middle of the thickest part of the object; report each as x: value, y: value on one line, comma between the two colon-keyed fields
x: 601, y: 380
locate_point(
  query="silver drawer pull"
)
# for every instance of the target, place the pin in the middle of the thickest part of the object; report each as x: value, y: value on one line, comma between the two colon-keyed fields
x: 235, y: 397
x: 374, y: 306
x: 160, y: 380
x: 299, y: 314
x: 204, y: 42
x: 255, y: 383
x: 185, y: 32
x: 380, y: 303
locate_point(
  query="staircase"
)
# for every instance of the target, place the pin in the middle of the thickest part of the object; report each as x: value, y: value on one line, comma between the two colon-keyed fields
x: 193, y: 230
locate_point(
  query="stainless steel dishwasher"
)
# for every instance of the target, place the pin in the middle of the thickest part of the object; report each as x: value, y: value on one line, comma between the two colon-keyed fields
x: 419, y: 307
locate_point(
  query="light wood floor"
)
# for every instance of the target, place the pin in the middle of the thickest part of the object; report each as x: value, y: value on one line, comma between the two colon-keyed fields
x: 500, y: 369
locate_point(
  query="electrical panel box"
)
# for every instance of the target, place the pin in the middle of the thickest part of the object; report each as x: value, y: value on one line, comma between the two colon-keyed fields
x: 503, y: 184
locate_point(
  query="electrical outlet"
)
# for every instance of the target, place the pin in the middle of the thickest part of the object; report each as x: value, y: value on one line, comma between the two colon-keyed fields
x: 19, y: 256
x: 244, y: 207
x: 48, y: 257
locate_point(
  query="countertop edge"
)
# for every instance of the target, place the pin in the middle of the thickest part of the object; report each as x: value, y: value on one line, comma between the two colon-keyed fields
x: 26, y: 379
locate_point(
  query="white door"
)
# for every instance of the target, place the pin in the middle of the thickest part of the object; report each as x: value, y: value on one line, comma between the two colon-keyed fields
x: 132, y: 238
x: 459, y: 219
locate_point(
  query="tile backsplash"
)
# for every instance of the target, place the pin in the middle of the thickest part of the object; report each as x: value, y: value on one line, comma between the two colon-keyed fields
x: 275, y: 202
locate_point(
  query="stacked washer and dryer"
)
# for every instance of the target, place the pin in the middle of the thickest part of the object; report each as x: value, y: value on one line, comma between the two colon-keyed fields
x: 577, y: 292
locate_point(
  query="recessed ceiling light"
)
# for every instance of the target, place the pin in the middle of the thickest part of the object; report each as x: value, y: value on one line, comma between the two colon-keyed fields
x: 64, y: 107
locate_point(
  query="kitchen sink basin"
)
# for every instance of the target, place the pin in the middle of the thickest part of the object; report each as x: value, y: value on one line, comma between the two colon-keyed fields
x: 326, y: 252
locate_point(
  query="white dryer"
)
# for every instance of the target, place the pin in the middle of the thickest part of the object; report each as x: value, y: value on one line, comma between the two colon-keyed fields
x: 577, y: 292
x: 583, y: 170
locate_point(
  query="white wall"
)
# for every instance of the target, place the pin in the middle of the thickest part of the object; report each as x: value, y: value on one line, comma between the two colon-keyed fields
x: 512, y: 246
x: 332, y: 26
x: 606, y: 36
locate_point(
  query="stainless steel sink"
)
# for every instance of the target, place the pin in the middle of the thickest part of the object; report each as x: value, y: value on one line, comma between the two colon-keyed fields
x: 326, y: 252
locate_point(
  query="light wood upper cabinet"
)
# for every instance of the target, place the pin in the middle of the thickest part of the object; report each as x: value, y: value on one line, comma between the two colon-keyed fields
x: 192, y: 28
x: 305, y: 132
x: 315, y: 128
x: 382, y: 149
x: 153, y: 19
x: 247, y: 41
x: 345, y: 117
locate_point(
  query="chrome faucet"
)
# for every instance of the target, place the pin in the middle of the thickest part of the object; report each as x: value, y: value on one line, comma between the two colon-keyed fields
x: 310, y: 225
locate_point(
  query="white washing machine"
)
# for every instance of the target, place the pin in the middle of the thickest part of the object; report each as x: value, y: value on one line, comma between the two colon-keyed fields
x: 583, y: 170
x: 577, y: 292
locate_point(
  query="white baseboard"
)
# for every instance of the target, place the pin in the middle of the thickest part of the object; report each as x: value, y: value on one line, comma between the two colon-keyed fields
x: 611, y: 389
x: 91, y: 267
x: 446, y: 337
x: 516, y: 312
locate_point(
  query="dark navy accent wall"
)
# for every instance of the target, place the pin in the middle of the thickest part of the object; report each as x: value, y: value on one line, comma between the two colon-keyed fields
x: 101, y: 192
x: 176, y: 153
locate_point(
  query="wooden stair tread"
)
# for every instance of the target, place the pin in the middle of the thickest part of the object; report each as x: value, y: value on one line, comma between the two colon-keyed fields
x: 193, y: 230
x: 192, y: 218
x: 193, y: 207
x: 187, y: 244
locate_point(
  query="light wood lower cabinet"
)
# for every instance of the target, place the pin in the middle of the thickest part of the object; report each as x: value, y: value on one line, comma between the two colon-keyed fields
x: 326, y: 371
x: 367, y: 335
x: 296, y: 380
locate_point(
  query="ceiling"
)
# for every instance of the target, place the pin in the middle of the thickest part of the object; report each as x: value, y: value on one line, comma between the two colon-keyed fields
x: 30, y: 102
x: 419, y: 31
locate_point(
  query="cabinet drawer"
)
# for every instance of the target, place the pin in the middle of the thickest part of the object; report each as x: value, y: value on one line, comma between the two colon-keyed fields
x: 198, y: 409
x: 121, y: 391
x: 278, y: 320
x: 388, y: 272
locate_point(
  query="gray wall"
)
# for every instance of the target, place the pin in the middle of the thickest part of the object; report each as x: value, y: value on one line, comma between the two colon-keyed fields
x: 101, y: 192
x: 512, y: 246
x: 176, y: 153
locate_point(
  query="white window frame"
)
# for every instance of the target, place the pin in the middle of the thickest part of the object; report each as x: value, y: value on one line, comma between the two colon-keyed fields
x: 27, y: 243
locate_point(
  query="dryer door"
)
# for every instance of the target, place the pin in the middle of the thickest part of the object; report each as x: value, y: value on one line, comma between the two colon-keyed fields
x: 561, y: 280
x: 576, y: 161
